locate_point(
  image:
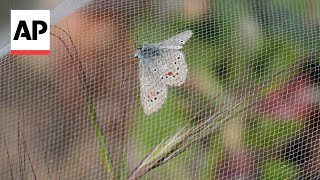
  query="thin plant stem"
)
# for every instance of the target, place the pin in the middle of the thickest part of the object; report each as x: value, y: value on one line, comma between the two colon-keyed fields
x: 105, y: 155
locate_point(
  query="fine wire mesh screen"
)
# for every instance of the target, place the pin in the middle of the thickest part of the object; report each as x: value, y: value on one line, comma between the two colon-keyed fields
x: 248, y: 109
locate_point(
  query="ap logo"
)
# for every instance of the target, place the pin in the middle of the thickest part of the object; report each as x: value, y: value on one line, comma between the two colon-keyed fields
x: 30, y: 32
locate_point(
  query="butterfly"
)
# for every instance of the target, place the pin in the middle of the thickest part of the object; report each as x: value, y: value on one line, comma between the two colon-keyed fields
x: 161, y: 65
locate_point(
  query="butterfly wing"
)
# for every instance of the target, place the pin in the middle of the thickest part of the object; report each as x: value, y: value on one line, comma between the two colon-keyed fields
x: 176, y: 41
x: 173, y: 68
x: 153, y: 91
x: 161, y: 65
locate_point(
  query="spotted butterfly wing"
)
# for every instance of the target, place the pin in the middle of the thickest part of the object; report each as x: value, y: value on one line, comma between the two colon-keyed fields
x: 176, y: 41
x: 153, y: 91
x: 161, y: 65
x: 173, y: 68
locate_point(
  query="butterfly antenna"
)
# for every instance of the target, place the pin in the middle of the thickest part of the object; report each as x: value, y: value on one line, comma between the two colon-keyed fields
x: 135, y: 43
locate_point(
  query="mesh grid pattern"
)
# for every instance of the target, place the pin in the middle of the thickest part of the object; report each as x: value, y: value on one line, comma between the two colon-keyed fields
x: 249, y: 108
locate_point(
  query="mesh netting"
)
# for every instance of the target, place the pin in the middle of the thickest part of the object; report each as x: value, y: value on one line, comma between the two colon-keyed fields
x: 248, y: 109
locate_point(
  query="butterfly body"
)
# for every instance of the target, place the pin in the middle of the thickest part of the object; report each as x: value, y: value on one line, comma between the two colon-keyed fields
x: 161, y: 65
x: 147, y: 53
